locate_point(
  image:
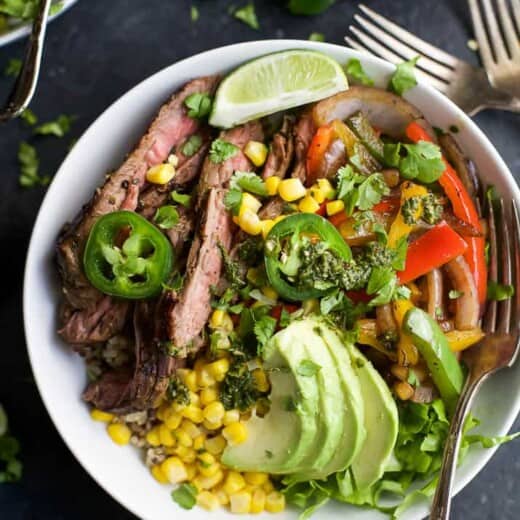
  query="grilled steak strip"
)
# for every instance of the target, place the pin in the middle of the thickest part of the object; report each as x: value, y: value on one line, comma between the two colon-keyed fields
x: 281, y: 152
x: 303, y: 133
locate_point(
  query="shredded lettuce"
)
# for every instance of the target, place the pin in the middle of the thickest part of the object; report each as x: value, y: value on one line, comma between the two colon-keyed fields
x: 423, y: 429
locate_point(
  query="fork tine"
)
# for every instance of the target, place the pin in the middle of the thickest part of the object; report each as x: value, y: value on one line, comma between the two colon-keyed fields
x: 407, y: 52
x: 515, y: 4
x: 489, y: 320
x: 508, y: 27
x: 407, y: 37
x: 480, y: 33
x: 494, y: 32
x: 516, y: 265
x: 504, y: 307
x: 376, y: 48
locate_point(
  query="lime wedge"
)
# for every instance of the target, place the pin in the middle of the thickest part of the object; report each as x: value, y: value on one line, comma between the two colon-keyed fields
x: 273, y: 83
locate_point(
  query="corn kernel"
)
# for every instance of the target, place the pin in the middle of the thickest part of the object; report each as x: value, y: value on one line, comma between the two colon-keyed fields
x: 256, y: 152
x: 214, y: 412
x: 335, y: 207
x: 152, y: 437
x: 193, y: 413
x: 206, y: 459
x: 260, y: 379
x: 208, y: 471
x: 119, y: 433
x: 172, y: 419
x: 249, y: 202
x: 162, y: 411
x: 217, y: 318
x: 208, y: 395
x: 212, y: 426
x: 272, y: 184
x: 178, y: 407
x: 191, y: 471
x: 187, y: 455
x: 270, y: 293
x: 230, y: 417
x: 240, y: 502
x: 257, y: 501
x: 199, y: 364
x: 190, y: 380
x: 274, y: 502
x: 100, y: 415
x: 234, y: 482
x: 199, y: 442
x: 201, y: 482
x: 291, y: 189
x: 215, y: 445
x: 166, y: 437
x: 250, y: 222
x: 204, y: 378
x: 255, y: 478
x: 174, y: 470
x: 326, y: 188
x: 268, y: 487
x: 183, y: 438
x: 315, y: 192
x: 160, y: 174
x: 222, y: 496
x: 158, y: 474
x: 267, y: 225
x: 308, y: 205
x: 207, y: 500
x: 218, y: 369
x: 191, y: 429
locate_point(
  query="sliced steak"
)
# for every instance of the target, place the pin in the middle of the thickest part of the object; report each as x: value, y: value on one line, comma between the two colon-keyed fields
x: 281, y: 152
x: 303, y: 133
x: 111, y: 392
x: 187, y: 316
x: 181, y: 232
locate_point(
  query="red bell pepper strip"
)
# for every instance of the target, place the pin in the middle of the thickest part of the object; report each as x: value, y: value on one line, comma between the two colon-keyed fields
x: 463, y: 208
x: 319, y: 144
x: 322, y: 209
x: 359, y: 296
x: 385, y: 206
x: 436, y: 247
x: 276, y: 312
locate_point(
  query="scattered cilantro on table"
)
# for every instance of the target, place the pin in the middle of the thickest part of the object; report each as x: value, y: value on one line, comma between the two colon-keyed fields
x: 10, y: 465
x: 247, y: 14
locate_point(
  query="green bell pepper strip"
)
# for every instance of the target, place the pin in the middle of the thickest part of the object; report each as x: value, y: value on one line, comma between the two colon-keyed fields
x: 292, y: 227
x: 134, y: 269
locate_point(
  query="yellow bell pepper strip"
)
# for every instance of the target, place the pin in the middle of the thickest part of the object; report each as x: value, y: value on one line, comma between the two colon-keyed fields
x: 460, y: 340
x: 367, y: 335
x: 463, y: 208
x: 407, y: 354
x: 399, y: 227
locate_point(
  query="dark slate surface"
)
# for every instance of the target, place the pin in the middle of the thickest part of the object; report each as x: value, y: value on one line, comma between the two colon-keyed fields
x: 94, y: 54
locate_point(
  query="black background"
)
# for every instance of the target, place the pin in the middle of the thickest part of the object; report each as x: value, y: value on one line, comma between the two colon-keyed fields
x: 94, y: 54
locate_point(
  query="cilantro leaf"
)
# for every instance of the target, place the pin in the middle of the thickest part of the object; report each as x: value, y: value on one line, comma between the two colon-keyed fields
x: 29, y: 165
x: 198, y: 104
x: 221, y: 151
x: 166, y: 217
x: 309, y: 7
x: 400, y: 250
x: 29, y: 117
x: 355, y: 70
x: 185, y: 495
x: 264, y: 329
x: 233, y: 200
x: 371, y: 191
x: 192, y: 145
x: 194, y: 13
x: 13, y: 68
x: 247, y: 15
x: 248, y: 181
x: 58, y: 128
x: 499, y: 292
x: 316, y: 37
x: 383, y: 283
x: 307, y: 368
x: 181, y: 198
x: 403, y: 79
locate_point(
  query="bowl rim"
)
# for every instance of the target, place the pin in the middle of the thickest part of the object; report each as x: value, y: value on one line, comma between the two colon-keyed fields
x: 383, y: 67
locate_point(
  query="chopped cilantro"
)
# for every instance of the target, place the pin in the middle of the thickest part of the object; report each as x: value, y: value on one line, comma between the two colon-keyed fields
x: 233, y: 200
x: 307, y: 368
x: 198, y: 104
x: 10, y: 466
x: 13, y: 68
x: 264, y: 329
x: 499, y: 292
x: 232, y: 269
x: 29, y: 164
x: 317, y: 37
x: 185, y: 495
x: 309, y: 7
x: 58, y: 128
x: 192, y: 145
x: 166, y: 217
x: 285, y: 318
x: 238, y: 390
x: 289, y: 403
x: 181, y: 198
x: 355, y: 70
x: 177, y: 391
x: 194, y: 13
x: 247, y: 15
x: 403, y: 79
x: 248, y: 181
x: 221, y: 150
x: 29, y: 117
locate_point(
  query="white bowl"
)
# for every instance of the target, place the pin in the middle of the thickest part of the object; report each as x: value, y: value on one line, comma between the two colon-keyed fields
x: 60, y: 374
x: 25, y: 28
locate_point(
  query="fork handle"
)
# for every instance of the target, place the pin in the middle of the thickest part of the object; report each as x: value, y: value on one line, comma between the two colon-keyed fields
x: 442, y: 500
x: 25, y: 85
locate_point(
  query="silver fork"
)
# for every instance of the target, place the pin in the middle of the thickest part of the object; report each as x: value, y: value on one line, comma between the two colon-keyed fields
x: 497, y: 350
x: 500, y: 54
x: 466, y: 85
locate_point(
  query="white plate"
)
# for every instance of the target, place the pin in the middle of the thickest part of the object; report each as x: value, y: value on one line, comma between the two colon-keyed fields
x: 23, y: 30
x: 60, y: 374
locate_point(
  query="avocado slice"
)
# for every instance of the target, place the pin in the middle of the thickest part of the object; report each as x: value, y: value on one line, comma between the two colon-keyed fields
x: 279, y: 441
x: 432, y: 344
x: 381, y: 423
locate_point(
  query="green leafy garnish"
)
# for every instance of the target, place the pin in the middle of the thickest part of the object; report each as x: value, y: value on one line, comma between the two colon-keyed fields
x: 198, y: 104
x: 421, y: 161
x: 166, y: 217
x: 26, y: 9
x: 316, y: 37
x: 181, y: 198
x: 264, y: 329
x: 13, y: 68
x: 383, y: 284
x: 10, y: 466
x: 233, y: 200
x: 192, y: 145
x: 29, y: 117
x: 221, y: 151
x: 355, y: 70
x: 238, y: 390
x: 177, y: 391
x: 308, y: 368
x: 185, y: 495
x: 499, y: 292
x: 309, y: 7
x: 194, y: 13
x: 29, y: 164
x: 403, y: 78
x: 248, y: 181
x: 232, y: 270
x: 59, y: 127
x: 247, y: 15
